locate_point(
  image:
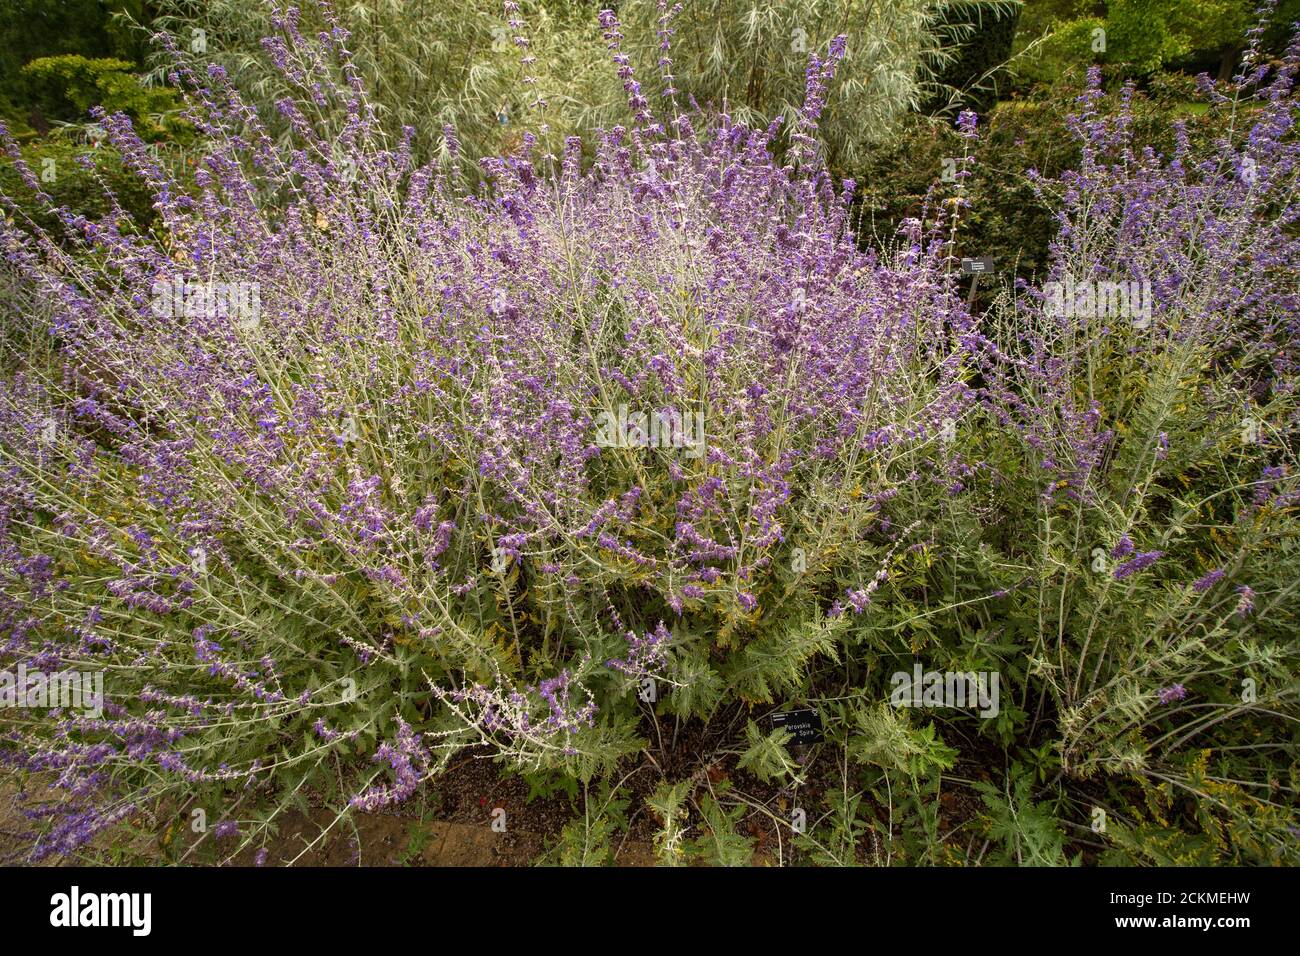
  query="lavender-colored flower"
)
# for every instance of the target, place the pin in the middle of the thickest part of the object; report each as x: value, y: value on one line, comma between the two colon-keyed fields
x: 226, y: 829
x: 646, y: 654
x: 1170, y: 694
x: 1138, y: 562
x: 1208, y: 580
x: 1245, y: 600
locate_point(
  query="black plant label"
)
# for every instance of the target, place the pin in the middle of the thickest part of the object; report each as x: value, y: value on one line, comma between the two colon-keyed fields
x: 805, y: 725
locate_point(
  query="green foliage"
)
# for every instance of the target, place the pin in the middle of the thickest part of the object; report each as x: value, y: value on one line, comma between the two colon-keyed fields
x: 753, y: 58
x: 587, y: 840
x: 32, y: 29
x: 777, y: 661
x: 427, y: 64
x: 418, y: 838
x: 701, y: 689
x: 83, y: 178
x: 1025, y: 832
x: 1145, y: 35
x: 835, y: 841
x: 989, y: 40
x: 719, y: 844
x: 1008, y: 217
x: 668, y: 804
x: 911, y: 828
x: 1141, y: 37
x: 1199, y: 818
x: 544, y: 785
x: 66, y: 87
x: 883, y: 737
x: 765, y: 755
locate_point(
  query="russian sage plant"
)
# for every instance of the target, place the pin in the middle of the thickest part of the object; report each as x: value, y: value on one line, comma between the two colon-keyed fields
x: 350, y: 466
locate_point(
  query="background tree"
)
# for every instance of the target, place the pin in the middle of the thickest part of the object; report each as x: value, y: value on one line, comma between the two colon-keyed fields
x: 31, y: 29
x: 753, y: 57
x: 1140, y: 37
x: 428, y: 64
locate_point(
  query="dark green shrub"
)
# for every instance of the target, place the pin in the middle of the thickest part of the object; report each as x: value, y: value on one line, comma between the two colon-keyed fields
x: 67, y: 87
x: 82, y: 177
x: 1020, y: 138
